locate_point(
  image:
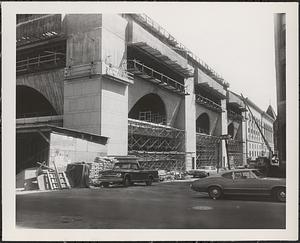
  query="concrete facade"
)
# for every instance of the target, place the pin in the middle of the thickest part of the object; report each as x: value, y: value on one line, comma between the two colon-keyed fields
x: 255, y: 143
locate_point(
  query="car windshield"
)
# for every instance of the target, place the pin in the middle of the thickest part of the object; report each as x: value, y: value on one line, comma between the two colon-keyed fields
x: 258, y: 173
x: 122, y: 166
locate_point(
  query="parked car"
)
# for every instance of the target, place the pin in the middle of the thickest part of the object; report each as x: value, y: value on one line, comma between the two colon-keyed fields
x: 209, y: 170
x: 197, y: 173
x: 127, y: 173
x: 241, y: 182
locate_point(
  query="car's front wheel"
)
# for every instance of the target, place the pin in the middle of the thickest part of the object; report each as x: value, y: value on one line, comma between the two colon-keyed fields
x: 214, y: 192
x: 126, y: 181
x: 149, y: 181
x: 105, y: 184
x: 280, y: 194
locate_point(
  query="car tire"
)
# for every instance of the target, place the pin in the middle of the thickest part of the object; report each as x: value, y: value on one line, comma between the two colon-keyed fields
x: 215, y: 192
x: 126, y: 181
x: 280, y: 194
x: 149, y: 181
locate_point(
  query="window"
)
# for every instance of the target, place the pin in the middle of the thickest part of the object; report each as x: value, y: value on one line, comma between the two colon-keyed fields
x: 122, y: 166
x: 134, y: 166
x: 227, y: 175
x: 237, y: 175
x: 257, y: 173
x: 247, y: 175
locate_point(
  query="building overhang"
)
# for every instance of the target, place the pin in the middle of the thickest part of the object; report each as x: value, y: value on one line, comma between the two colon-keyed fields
x: 210, y: 85
x: 165, y: 59
x: 42, y: 28
x: 235, y: 101
x: 30, y: 128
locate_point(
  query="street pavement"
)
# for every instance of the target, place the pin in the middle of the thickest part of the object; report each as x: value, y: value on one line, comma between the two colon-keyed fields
x: 171, y: 205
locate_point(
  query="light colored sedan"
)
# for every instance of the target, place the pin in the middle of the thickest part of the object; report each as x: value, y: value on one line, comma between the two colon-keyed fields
x: 241, y: 182
x: 209, y: 170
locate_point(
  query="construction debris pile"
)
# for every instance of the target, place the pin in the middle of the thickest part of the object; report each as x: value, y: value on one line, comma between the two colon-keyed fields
x: 80, y: 175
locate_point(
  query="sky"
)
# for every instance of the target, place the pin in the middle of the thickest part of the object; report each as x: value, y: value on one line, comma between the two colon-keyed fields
x: 238, y: 43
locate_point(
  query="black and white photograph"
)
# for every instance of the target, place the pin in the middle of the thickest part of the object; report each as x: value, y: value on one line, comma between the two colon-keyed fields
x: 153, y: 120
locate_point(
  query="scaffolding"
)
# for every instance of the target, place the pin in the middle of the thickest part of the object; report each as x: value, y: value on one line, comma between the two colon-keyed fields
x: 169, y: 161
x: 235, y: 152
x: 207, y: 150
x: 37, y: 28
x: 41, y: 62
x: 208, y: 103
x: 234, y: 116
x: 148, y: 116
x: 139, y: 69
x: 156, y: 146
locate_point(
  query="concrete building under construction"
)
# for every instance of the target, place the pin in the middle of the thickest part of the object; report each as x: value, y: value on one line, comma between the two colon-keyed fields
x: 124, y: 77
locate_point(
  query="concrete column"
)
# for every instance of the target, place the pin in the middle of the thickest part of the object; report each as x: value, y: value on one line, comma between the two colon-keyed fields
x: 224, y: 131
x: 244, y: 137
x: 82, y: 90
x: 114, y: 115
x: 96, y: 87
x: 190, y: 125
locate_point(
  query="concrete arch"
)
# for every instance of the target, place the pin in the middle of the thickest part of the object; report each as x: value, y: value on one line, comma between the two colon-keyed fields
x: 30, y: 103
x: 203, y: 123
x: 172, y: 101
x: 151, y: 107
x: 50, y: 84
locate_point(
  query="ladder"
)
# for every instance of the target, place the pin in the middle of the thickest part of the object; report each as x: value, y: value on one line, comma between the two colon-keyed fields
x: 57, y: 181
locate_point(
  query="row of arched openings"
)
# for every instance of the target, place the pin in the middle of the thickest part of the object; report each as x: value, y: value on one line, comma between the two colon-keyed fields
x: 150, y: 108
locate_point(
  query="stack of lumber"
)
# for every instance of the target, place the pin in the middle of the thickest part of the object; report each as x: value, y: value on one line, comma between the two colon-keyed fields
x: 99, y: 165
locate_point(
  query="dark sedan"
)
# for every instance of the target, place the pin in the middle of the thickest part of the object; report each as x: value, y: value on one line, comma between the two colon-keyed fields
x: 241, y: 182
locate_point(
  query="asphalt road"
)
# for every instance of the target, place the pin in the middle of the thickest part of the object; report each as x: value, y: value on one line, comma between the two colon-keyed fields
x: 171, y: 205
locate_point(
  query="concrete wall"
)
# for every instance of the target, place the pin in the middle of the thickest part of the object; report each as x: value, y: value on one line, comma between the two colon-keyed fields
x: 82, y: 102
x: 171, y: 100
x: 114, y: 116
x: 84, y: 38
x: 114, y: 100
x: 49, y: 83
x: 66, y: 149
x: 113, y: 39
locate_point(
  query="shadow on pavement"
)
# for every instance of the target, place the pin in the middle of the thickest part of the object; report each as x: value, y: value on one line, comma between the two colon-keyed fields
x: 239, y: 198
